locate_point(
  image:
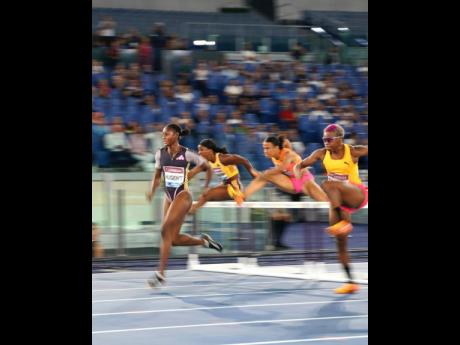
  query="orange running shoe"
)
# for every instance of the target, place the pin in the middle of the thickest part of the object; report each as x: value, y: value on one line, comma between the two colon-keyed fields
x: 341, y: 228
x: 347, y: 288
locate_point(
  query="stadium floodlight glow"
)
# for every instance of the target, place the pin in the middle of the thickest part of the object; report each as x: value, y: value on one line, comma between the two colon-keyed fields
x: 343, y: 29
x: 318, y: 30
x: 204, y: 43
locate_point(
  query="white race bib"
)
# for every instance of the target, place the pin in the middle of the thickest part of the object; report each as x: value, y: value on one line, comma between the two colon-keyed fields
x: 220, y: 174
x: 174, y: 176
x: 337, y: 177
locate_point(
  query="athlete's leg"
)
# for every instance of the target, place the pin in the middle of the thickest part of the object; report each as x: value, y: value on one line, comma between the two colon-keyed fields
x: 172, y: 223
x: 218, y: 193
x: 279, y: 180
x: 312, y: 189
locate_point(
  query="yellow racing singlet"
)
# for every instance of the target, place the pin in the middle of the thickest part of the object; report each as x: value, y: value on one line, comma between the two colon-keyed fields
x: 342, y: 169
x: 223, y: 171
x: 283, y: 153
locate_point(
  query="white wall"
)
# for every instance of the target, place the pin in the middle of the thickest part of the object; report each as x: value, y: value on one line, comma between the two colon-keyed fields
x: 170, y: 5
x: 292, y: 9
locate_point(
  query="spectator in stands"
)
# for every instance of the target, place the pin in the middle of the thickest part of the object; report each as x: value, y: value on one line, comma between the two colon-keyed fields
x: 139, y: 149
x: 233, y: 90
x: 324, y: 94
x: 112, y: 55
x: 184, y: 92
x: 133, y: 39
x: 154, y: 136
x: 203, y: 104
x: 320, y: 112
x: 98, y: 119
x: 134, y: 71
x: 286, y: 115
x: 229, y: 70
x: 331, y: 104
x: 200, y: 75
x: 117, y: 144
x: 186, y: 121
x: 248, y: 54
x: 352, y: 139
x: 135, y: 88
x: 297, y: 51
x: 228, y: 138
x: 333, y: 56
x: 297, y: 144
x: 120, y: 70
x: 175, y: 43
x: 152, y: 111
x: 97, y: 67
x: 144, y: 52
x: 158, y: 43
x: 249, y: 89
x: 106, y: 28
x: 261, y: 132
x: 118, y: 85
x: 315, y: 80
x: 300, y: 108
x: 300, y: 72
x: 235, y: 118
x: 330, y: 86
x: 221, y: 117
x: 104, y: 89
x: 303, y: 88
x: 185, y: 69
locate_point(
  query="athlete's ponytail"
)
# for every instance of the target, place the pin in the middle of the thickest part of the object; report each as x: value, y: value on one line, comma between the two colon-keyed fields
x: 178, y: 130
x: 210, y: 144
x: 276, y: 140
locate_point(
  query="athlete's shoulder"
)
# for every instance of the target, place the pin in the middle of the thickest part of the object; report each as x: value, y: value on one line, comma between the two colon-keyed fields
x: 320, y: 152
x: 224, y: 158
x: 188, y: 149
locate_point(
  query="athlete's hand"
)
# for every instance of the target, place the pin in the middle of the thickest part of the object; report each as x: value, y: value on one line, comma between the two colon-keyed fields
x: 297, y: 171
x: 149, y: 196
x: 205, y: 191
x: 255, y: 173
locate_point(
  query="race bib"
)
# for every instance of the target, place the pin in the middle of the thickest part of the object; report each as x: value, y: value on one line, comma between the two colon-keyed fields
x: 220, y: 173
x: 337, y: 177
x: 174, y: 176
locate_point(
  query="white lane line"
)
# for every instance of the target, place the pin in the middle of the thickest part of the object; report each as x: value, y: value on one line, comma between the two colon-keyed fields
x: 228, y: 307
x: 202, y: 285
x: 212, y: 295
x: 124, y: 280
x: 228, y: 324
x: 133, y: 271
x: 307, y: 340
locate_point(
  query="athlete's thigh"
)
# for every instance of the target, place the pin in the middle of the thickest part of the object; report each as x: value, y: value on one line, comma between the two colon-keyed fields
x: 352, y: 195
x: 178, y: 210
x: 218, y: 193
x: 282, y: 182
x: 166, y: 205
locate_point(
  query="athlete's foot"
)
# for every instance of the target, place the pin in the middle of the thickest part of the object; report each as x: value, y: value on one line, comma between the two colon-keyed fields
x: 156, y: 280
x: 193, y: 210
x: 347, y: 288
x: 210, y: 243
x: 339, y: 229
x: 239, y: 198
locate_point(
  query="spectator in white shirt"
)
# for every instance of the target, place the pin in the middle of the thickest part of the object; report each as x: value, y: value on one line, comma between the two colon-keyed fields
x: 117, y: 144
x: 139, y: 149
